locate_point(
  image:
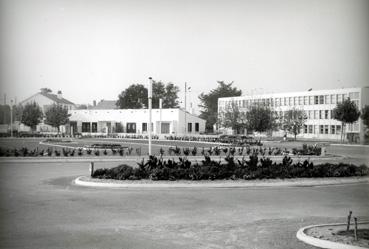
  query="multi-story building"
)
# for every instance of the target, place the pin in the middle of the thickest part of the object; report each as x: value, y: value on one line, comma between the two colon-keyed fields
x: 135, y: 121
x: 317, y: 105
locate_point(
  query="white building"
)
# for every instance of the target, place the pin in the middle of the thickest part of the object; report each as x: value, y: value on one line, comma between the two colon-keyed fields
x: 318, y: 106
x: 134, y: 121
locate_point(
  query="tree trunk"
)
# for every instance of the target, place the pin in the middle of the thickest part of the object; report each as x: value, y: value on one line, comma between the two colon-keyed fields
x: 341, y: 132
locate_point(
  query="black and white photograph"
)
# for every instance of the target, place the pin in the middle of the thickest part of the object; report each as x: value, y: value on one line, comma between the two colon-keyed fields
x: 174, y: 124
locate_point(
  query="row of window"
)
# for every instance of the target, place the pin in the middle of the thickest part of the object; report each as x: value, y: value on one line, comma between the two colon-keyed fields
x: 322, y: 129
x: 295, y: 101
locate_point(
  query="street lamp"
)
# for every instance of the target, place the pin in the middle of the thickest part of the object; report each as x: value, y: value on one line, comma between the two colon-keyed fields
x: 11, y: 118
x: 185, y: 108
x: 150, y: 108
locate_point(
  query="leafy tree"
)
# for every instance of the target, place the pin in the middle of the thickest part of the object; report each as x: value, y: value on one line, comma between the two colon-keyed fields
x: 233, y: 118
x: 365, y: 115
x: 209, y: 102
x: 346, y: 112
x: 17, y: 112
x: 32, y: 115
x: 260, y: 119
x: 135, y: 96
x: 293, y: 121
x: 56, y: 116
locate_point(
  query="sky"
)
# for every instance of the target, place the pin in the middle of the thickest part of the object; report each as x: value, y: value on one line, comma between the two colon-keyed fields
x: 94, y: 49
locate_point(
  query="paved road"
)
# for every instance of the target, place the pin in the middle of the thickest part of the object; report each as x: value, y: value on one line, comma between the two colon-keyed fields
x: 40, y: 208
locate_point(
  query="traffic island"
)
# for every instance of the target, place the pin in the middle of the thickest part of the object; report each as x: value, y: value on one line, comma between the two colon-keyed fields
x: 336, y: 236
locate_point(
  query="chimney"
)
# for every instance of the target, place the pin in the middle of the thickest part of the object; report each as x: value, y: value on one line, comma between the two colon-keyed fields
x: 94, y: 103
x: 60, y: 96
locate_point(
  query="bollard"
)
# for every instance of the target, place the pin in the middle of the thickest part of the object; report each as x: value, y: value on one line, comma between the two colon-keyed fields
x: 348, y: 221
x: 91, y: 168
x: 355, y: 231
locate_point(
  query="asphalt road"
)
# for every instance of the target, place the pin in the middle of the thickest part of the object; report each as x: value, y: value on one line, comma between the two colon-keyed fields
x: 41, y: 208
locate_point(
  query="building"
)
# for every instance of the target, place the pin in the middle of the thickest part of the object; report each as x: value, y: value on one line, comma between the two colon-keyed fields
x: 318, y: 106
x: 45, y: 99
x: 134, y: 121
x: 104, y: 105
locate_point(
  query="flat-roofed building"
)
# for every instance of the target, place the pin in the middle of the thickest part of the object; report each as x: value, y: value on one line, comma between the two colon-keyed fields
x: 317, y: 105
x: 135, y: 121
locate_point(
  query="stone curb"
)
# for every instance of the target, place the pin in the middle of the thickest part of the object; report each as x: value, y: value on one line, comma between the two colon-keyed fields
x: 301, y: 235
x: 298, y: 182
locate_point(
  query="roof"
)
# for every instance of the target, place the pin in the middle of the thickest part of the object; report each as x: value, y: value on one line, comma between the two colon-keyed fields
x: 55, y: 98
x: 105, y: 105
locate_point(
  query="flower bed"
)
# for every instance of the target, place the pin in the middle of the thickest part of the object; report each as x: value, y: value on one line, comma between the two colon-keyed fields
x: 207, y: 169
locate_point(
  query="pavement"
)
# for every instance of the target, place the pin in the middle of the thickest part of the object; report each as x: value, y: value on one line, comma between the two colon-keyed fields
x: 40, y: 207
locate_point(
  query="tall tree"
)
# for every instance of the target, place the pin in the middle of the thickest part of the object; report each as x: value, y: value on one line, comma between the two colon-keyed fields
x: 135, y: 96
x: 293, y: 121
x: 232, y: 117
x: 209, y: 102
x: 347, y: 112
x: 56, y: 116
x: 32, y: 115
x: 260, y: 118
x: 365, y: 116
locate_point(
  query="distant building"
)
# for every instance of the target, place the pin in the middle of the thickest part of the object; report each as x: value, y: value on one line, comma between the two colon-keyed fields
x: 45, y: 99
x: 135, y: 121
x: 318, y: 106
x: 104, y: 105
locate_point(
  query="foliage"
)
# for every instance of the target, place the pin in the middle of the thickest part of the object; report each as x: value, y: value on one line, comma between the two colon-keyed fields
x: 183, y: 169
x: 56, y: 115
x: 347, y: 112
x: 135, y: 96
x: 233, y: 118
x: 209, y: 102
x: 365, y: 115
x: 260, y: 118
x: 294, y: 121
x: 32, y: 115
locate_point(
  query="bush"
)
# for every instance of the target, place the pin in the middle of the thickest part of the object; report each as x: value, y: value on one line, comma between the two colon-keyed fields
x: 207, y: 169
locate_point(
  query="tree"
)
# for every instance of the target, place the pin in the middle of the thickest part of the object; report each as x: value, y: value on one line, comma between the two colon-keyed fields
x: 346, y: 112
x: 260, y: 119
x: 4, y: 114
x: 233, y: 118
x: 135, y: 96
x: 293, y: 121
x: 209, y: 102
x: 56, y: 116
x: 32, y: 115
x: 365, y: 115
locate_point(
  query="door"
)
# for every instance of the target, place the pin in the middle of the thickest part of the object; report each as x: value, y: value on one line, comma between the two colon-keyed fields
x: 131, y: 128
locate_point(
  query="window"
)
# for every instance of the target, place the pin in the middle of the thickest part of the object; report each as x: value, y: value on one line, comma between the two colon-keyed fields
x: 310, y: 129
x: 339, y: 98
x: 354, y: 95
x: 305, y: 129
x: 326, y: 99
x: 338, y: 129
x: 94, y: 127
x: 284, y: 101
x: 131, y: 128
x: 316, y: 100
x: 300, y: 100
x: 311, y: 100
x: 321, y: 99
x: 326, y: 114
x: 333, y: 99
x: 295, y: 100
x: 144, y: 127
x: 321, y: 129
x: 290, y: 100
x: 333, y: 129
x: 197, y: 127
x: 345, y: 96
x: 306, y: 100
x: 316, y: 129
x: 320, y: 114
x: 316, y: 114
x: 326, y: 129
x: 244, y: 103
x: 86, y: 127
x: 189, y: 129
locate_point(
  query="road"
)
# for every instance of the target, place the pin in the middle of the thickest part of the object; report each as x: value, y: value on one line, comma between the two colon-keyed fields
x: 41, y: 208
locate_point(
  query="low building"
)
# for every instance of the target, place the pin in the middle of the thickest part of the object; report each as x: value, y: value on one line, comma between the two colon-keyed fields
x: 317, y: 105
x: 135, y: 121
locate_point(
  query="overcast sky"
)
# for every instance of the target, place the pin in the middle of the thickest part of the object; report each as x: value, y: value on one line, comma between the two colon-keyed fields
x: 94, y: 49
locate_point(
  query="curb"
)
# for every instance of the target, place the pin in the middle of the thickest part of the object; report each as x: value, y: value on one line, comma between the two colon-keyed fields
x: 301, y: 235
x: 300, y: 182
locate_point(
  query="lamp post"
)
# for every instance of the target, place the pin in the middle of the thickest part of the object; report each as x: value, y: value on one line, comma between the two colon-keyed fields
x: 160, y: 107
x: 150, y: 108
x: 185, y: 108
x: 11, y: 118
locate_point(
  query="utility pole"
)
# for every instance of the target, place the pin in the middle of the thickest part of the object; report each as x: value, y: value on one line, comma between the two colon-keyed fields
x: 150, y: 108
x: 185, y: 109
x: 160, y: 107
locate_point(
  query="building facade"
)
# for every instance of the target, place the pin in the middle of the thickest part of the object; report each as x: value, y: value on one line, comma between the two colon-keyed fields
x: 135, y: 121
x: 317, y: 105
